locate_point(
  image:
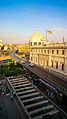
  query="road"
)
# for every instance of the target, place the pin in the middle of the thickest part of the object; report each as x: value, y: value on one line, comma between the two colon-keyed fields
x: 53, y: 80
x: 10, y: 110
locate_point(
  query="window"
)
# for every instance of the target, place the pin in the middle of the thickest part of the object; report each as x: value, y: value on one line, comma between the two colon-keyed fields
x: 39, y: 43
x: 57, y: 51
x: 48, y: 51
x: 62, y: 52
x: 35, y: 43
x: 44, y: 51
x: 52, y: 64
x: 41, y: 51
x: 52, y: 51
x: 62, y: 67
x: 56, y: 65
x: 31, y: 43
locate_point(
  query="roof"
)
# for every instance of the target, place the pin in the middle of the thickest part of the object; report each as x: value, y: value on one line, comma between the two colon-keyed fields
x: 36, y: 37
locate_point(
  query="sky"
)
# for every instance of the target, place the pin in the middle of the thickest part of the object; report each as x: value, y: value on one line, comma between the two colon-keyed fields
x: 20, y: 18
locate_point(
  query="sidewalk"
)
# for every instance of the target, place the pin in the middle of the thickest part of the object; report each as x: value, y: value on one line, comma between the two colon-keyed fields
x: 9, y: 107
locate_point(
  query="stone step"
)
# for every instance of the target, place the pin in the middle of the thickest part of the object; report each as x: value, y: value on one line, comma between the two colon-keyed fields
x: 32, y: 99
x: 20, y: 83
x: 30, y: 95
x: 37, y: 104
x: 41, y: 109
x: 27, y: 91
x: 24, y: 88
x: 48, y: 113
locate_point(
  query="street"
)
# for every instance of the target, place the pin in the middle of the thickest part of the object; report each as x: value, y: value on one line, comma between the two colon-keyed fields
x: 10, y: 110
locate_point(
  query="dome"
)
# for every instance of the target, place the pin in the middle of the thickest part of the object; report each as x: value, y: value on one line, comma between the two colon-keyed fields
x: 36, y: 37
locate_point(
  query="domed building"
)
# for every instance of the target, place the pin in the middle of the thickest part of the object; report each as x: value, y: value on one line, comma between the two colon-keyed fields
x: 37, y: 39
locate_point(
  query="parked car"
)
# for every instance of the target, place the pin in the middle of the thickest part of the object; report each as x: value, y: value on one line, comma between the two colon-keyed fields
x: 31, y: 64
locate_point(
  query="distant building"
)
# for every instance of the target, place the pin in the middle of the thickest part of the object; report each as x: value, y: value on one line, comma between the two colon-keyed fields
x: 51, y: 56
x: 22, y: 48
x: 1, y: 45
x: 6, y: 47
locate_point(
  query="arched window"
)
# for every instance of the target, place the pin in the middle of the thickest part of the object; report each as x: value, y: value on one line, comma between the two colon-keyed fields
x: 31, y: 43
x: 44, y: 51
x: 62, y: 67
x: 52, y: 51
x: 62, y: 52
x: 57, y: 51
x: 41, y: 51
x: 56, y: 65
x: 35, y: 43
x: 51, y: 63
x: 39, y: 43
x: 48, y: 51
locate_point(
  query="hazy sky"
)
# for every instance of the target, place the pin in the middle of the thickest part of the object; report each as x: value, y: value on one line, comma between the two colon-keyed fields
x: 20, y: 18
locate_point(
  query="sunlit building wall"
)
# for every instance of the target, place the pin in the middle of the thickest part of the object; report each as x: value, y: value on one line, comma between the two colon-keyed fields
x: 52, y: 56
x: 1, y: 45
x: 6, y: 47
x: 22, y: 48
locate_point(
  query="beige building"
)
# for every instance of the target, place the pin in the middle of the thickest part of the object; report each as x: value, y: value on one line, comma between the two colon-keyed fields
x: 23, y: 47
x: 6, y: 47
x: 1, y: 45
x: 52, y: 56
x: 20, y: 47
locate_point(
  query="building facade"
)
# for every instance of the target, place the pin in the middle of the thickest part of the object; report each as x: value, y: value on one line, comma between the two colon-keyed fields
x: 52, y: 56
x: 20, y: 47
x: 1, y: 45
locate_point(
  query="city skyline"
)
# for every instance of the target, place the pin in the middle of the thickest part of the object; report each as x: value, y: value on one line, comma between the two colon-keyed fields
x: 19, y: 19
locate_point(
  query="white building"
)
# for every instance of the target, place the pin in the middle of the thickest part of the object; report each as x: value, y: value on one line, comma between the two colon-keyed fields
x: 52, y: 56
x: 1, y: 44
